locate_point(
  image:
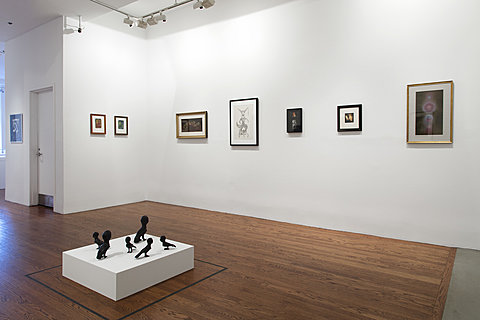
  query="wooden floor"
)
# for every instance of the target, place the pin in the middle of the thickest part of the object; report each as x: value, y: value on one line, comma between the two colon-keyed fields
x: 246, y: 268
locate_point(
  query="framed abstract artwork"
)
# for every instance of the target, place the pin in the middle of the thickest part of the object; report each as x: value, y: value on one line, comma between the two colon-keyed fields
x: 349, y: 118
x: 294, y: 120
x: 121, y: 125
x: 244, y: 122
x: 98, y: 124
x: 192, y: 125
x: 16, y: 128
x: 430, y: 112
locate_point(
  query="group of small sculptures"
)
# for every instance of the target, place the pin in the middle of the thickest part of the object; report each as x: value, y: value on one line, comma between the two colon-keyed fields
x: 104, y: 245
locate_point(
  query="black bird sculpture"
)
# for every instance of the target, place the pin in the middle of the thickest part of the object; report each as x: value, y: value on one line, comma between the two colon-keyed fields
x: 97, y: 240
x: 166, y: 244
x: 129, y: 245
x: 102, y: 251
x: 140, y: 236
x: 146, y: 249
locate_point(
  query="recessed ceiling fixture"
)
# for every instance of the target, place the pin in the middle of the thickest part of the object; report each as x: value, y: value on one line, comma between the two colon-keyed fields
x: 154, y: 17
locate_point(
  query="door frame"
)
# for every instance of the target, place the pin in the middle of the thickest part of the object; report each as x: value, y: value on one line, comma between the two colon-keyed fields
x: 33, y: 148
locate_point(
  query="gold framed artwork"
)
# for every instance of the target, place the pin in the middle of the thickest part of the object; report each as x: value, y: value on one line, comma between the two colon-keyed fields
x: 97, y: 124
x: 192, y: 125
x: 430, y: 112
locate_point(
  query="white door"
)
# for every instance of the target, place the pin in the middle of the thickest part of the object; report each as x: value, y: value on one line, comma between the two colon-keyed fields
x: 46, y: 149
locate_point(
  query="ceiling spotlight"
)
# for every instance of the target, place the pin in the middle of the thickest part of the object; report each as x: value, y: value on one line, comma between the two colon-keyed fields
x: 128, y: 21
x: 68, y: 31
x: 198, y: 5
x: 142, y: 24
x: 208, y: 3
x: 161, y: 17
x: 151, y: 21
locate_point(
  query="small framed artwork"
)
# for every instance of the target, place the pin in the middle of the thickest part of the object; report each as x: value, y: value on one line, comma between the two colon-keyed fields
x: 16, y: 128
x: 429, y: 112
x: 192, y: 125
x: 244, y: 122
x: 121, y: 125
x: 98, y: 124
x: 349, y: 118
x: 294, y: 120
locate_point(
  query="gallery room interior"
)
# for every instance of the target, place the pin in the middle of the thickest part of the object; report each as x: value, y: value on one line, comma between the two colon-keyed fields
x: 311, y: 159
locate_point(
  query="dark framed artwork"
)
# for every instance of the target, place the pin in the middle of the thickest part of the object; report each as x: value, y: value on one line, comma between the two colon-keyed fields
x: 16, y: 128
x: 244, y: 122
x: 430, y: 112
x: 98, y: 124
x: 192, y: 125
x: 294, y: 120
x: 121, y: 125
x: 349, y: 118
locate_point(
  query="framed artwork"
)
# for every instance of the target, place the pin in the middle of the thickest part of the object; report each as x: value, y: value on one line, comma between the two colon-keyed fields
x: 192, y: 125
x: 294, y: 120
x: 429, y: 112
x: 121, y: 125
x: 97, y: 124
x: 244, y: 122
x: 349, y: 118
x: 16, y: 128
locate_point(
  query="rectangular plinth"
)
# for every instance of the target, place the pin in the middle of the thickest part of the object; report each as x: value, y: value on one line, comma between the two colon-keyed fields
x: 120, y: 274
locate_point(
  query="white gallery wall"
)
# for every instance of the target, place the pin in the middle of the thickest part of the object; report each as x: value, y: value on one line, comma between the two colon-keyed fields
x: 33, y: 62
x: 318, y: 54
x: 105, y: 73
x: 310, y: 54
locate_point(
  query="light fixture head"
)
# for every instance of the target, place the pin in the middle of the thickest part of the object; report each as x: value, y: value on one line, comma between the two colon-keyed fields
x: 128, y: 21
x: 198, y: 5
x: 161, y: 17
x: 152, y: 21
x: 68, y: 31
x: 208, y: 3
x: 142, y: 24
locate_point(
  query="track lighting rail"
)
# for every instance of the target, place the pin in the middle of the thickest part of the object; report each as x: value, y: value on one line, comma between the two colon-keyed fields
x: 140, y: 20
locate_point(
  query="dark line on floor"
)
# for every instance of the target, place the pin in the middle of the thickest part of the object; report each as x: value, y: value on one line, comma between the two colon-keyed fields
x: 171, y: 294
x: 136, y: 311
x: 66, y: 297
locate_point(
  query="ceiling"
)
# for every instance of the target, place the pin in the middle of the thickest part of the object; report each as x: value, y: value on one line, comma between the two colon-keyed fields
x: 26, y: 15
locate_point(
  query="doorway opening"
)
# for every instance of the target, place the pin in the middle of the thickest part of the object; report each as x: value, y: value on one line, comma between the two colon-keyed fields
x: 42, y: 147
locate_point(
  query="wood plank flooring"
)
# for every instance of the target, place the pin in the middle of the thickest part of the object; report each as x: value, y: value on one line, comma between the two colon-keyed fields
x: 247, y: 268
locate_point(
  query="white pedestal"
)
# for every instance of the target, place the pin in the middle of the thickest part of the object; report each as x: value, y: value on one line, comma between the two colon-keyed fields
x: 120, y: 274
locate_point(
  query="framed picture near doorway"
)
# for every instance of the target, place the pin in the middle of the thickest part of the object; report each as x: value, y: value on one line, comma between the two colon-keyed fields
x: 16, y: 128
x: 244, y: 122
x: 97, y: 124
x: 121, y: 125
x: 430, y: 112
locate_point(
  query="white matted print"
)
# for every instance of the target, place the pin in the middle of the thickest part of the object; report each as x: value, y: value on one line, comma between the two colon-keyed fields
x: 244, y: 122
x: 192, y: 125
x: 97, y: 124
x: 429, y: 112
x: 121, y: 125
x: 349, y: 118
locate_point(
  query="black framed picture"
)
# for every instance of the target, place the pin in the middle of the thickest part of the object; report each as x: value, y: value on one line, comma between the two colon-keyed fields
x: 349, y: 118
x: 121, y: 125
x: 244, y: 122
x: 294, y: 120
